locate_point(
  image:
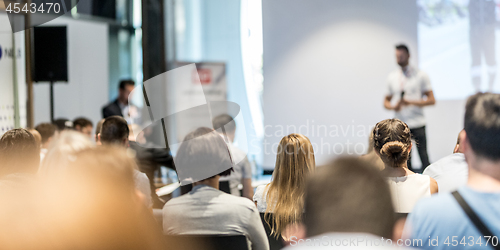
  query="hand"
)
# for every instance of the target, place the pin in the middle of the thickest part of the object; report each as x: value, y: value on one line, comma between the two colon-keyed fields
x: 398, y: 106
x: 405, y: 102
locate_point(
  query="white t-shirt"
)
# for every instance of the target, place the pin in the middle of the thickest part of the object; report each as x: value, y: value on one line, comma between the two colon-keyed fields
x: 407, y: 190
x: 451, y: 172
x: 260, y: 198
x: 414, y: 83
x: 142, y: 185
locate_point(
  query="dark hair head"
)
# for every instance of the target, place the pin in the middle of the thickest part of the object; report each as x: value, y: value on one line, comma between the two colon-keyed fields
x: 348, y: 195
x: 392, y: 139
x: 19, y: 152
x: 98, y: 127
x: 46, y: 130
x: 123, y: 83
x: 82, y: 122
x: 63, y: 124
x: 202, y: 154
x: 226, y: 122
x: 114, y: 130
x: 403, y: 47
x: 482, y: 125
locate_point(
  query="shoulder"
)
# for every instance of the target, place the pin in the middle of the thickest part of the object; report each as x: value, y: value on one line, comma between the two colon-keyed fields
x: 173, y: 203
x: 432, y: 211
x: 433, y: 185
x: 420, y: 177
x: 240, y: 203
x: 111, y: 104
x: 435, y: 206
x: 417, y: 71
x: 140, y: 176
x: 451, y: 162
x: 259, y: 192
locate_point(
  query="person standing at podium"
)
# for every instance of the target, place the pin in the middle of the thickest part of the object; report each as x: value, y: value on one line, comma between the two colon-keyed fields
x: 121, y: 106
x: 408, y: 91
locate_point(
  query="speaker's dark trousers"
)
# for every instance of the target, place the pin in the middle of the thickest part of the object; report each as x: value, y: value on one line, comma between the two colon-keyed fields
x: 418, y: 134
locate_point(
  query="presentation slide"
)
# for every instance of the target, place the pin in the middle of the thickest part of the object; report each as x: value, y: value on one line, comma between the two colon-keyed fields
x: 459, y: 46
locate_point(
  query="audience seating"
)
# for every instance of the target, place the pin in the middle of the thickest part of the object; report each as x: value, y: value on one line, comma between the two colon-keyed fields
x: 224, y: 187
x: 206, y: 242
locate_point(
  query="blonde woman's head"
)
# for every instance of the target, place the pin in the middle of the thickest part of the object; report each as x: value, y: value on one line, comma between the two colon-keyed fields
x: 285, y: 195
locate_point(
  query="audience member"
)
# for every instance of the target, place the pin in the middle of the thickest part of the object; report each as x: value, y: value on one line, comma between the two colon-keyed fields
x: 150, y: 159
x: 37, y: 135
x: 206, y: 209
x: 441, y: 221
x: 282, y: 200
x: 19, y: 155
x: 450, y: 172
x: 47, y: 131
x: 121, y: 106
x: 84, y: 126
x: 98, y: 128
x: 92, y: 204
x: 242, y: 169
x: 347, y: 205
x: 115, y: 131
x: 61, y: 151
x: 392, y: 141
x: 63, y: 124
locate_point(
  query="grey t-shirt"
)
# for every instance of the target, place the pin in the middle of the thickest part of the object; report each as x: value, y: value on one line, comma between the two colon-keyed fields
x: 206, y: 210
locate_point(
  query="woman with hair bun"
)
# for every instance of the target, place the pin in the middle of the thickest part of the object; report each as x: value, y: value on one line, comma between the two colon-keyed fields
x: 392, y: 142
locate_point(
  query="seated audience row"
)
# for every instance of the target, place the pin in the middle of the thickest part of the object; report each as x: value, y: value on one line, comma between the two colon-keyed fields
x: 85, y: 199
x: 94, y: 197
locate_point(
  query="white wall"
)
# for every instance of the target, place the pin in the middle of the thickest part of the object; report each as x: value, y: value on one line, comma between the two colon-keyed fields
x: 88, y: 65
x: 325, y: 68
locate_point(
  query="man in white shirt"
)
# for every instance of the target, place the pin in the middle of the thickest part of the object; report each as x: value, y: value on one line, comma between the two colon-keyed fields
x: 411, y: 88
x: 115, y: 131
x: 347, y: 206
x: 450, y: 172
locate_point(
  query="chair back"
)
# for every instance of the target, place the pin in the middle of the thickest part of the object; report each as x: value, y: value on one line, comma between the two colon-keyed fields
x: 224, y: 187
x: 275, y: 243
x: 206, y: 242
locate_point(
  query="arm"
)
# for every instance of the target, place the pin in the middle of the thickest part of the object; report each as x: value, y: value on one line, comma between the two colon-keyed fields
x: 388, y: 105
x: 434, y: 186
x: 430, y: 100
x: 246, y: 178
x: 256, y: 232
x: 247, y: 188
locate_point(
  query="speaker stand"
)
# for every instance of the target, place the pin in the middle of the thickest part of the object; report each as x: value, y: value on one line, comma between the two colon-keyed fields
x: 52, y: 101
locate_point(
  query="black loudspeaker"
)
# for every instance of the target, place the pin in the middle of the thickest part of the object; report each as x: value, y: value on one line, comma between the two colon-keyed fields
x: 51, y: 54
